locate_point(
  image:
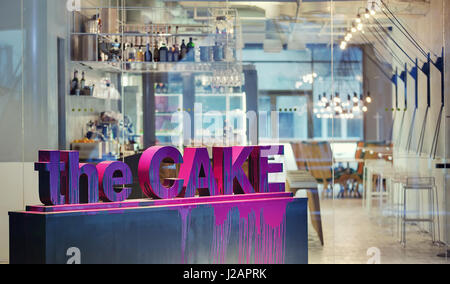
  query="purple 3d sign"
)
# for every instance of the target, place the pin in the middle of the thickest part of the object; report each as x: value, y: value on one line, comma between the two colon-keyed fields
x: 60, y: 173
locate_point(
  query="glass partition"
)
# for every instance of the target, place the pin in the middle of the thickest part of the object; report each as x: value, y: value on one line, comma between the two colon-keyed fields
x: 353, y: 90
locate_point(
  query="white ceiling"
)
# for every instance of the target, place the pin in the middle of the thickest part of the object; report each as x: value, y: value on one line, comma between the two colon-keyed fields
x: 306, y: 21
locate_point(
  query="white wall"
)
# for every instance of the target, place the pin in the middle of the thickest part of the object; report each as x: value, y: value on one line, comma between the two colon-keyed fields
x: 429, y: 30
x: 19, y: 188
x: 28, y: 102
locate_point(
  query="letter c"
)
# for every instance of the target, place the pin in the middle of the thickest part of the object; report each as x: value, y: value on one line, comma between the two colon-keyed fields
x: 148, y: 172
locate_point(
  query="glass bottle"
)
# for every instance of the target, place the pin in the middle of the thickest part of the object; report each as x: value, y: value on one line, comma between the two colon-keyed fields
x: 156, y: 52
x: 74, y: 83
x: 176, y: 53
x: 191, y: 50
x: 183, y: 50
x: 170, y: 54
x: 148, y: 54
x: 83, y: 81
x: 131, y: 53
x: 140, y: 54
x: 163, y: 53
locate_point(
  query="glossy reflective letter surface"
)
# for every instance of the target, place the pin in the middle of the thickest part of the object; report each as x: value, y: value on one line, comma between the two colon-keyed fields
x: 197, y: 173
x: 70, y: 178
x: 149, y: 177
x: 260, y: 168
x: 108, y: 180
x: 228, y: 170
x: 50, y: 168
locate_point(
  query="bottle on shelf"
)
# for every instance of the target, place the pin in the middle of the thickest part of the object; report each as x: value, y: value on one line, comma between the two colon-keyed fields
x: 163, y: 53
x: 190, y: 50
x: 158, y: 88
x: 169, y: 41
x: 131, y: 53
x: 176, y: 53
x: 83, y: 81
x: 183, y: 51
x: 170, y: 54
x: 176, y: 50
x: 140, y: 55
x: 148, y: 54
x: 156, y: 51
x: 74, y: 87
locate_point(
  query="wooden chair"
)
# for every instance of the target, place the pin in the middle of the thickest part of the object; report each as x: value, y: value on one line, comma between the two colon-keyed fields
x: 304, y: 180
x: 319, y: 161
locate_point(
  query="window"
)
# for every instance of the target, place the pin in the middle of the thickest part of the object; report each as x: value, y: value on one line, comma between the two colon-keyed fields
x: 284, y: 79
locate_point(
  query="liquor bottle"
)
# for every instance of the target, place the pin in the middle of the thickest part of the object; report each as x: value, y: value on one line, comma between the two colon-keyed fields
x: 131, y: 53
x: 140, y: 55
x: 170, y: 54
x: 176, y: 50
x: 183, y: 51
x: 176, y: 53
x: 74, y: 84
x: 191, y: 50
x: 125, y: 52
x: 158, y: 89
x: 163, y: 53
x: 156, y: 52
x: 148, y: 54
x: 83, y: 81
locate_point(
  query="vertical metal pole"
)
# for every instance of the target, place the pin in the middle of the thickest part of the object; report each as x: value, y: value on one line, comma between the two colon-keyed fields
x: 396, y: 88
x: 149, y: 106
x: 189, y: 100
x: 443, y: 78
x: 251, y: 97
x: 429, y: 81
x: 416, y: 77
x: 62, y: 94
x: 406, y: 86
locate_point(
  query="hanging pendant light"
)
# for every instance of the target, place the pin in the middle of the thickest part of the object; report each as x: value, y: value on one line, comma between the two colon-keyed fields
x: 372, y: 9
x: 360, y: 26
x: 355, y: 98
x: 337, y: 99
x: 368, y: 98
x: 324, y: 98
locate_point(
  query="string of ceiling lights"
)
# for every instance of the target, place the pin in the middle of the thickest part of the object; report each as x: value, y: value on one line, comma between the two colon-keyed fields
x: 358, y: 25
x: 336, y: 107
x: 354, y: 106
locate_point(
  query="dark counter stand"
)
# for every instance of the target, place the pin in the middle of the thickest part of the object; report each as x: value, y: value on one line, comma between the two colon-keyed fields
x: 147, y: 234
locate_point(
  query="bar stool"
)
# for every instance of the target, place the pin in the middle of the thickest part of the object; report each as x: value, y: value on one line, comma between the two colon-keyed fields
x: 417, y: 184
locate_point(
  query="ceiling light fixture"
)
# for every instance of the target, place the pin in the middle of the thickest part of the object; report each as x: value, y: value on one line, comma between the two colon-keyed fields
x: 368, y: 98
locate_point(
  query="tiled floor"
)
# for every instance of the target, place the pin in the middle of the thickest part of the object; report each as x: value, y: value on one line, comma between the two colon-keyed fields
x: 349, y: 232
